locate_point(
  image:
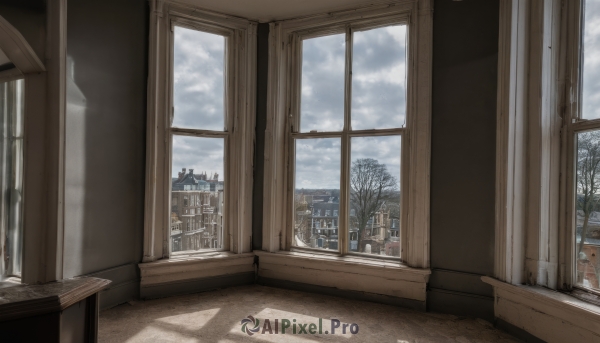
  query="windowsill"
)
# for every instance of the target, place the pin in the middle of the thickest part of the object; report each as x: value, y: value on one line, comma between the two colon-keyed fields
x: 186, y: 267
x: 546, y: 295
x: 523, y: 305
x: 359, y: 261
x: 349, y: 254
x: 352, y: 273
x: 178, y: 254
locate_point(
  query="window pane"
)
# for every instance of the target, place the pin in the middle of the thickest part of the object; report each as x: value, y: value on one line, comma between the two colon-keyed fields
x: 375, y: 196
x: 11, y: 178
x: 587, y: 231
x: 591, y: 61
x: 379, y: 78
x: 198, y: 80
x: 317, y: 197
x: 197, y: 193
x: 322, y: 99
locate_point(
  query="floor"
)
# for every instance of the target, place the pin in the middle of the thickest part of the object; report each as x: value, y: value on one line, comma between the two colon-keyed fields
x: 216, y: 317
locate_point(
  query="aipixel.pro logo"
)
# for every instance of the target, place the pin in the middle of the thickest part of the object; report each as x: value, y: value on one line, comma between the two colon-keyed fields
x: 252, y: 326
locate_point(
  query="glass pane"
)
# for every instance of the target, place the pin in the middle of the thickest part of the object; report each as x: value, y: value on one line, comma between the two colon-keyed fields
x: 379, y: 78
x: 587, y: 231
x: 317, y: 197
x: 197, y: 193
x: 198, y: 80
x: 11, y: 178
x: 375, y: 196
x: 322, y: 99
x: 591, y: 61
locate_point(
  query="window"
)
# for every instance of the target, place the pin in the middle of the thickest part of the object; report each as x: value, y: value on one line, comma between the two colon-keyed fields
x: 202, y: 103
x: 199, y: 129
x: 349, y: 127
x: 11, y: 178
x: 322, y: 120
x: 585, y: 136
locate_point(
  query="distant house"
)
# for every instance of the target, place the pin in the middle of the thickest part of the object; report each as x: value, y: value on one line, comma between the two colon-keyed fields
x: 196, y: 212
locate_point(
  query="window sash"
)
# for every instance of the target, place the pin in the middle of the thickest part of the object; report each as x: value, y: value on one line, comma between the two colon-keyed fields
x: 346, y: 134
x: 182, y: 131
x: 575, y: 124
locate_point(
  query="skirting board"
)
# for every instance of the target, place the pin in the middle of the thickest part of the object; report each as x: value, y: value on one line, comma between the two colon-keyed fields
x: 460, y: 304
x: 161, y: 290
x: 355, y: 295
x: 517, y: 332
x: 124, y: 287
x: 461, y: 282
x: 119, y: 294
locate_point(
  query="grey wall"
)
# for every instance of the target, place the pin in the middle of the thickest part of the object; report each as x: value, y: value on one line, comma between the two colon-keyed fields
x: 105, y: 142
x: 29, y: 17
x: 465, y: 54
x: 262, y: 68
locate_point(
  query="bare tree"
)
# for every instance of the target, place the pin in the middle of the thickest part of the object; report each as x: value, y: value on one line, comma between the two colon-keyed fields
x: 371, y: 186
x: 588, y: 178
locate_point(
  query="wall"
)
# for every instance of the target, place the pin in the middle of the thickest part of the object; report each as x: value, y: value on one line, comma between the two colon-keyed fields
x: 262, y: 67
x: 29, y: 17
x: 105, y: 142
x: 465, y: 53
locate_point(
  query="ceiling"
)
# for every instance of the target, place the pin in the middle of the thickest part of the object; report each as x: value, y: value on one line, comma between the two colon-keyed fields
x: 271, y: 10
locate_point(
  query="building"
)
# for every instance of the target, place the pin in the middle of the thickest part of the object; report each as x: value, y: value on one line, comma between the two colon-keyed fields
x: 317, y: 221
x: 196, y: 212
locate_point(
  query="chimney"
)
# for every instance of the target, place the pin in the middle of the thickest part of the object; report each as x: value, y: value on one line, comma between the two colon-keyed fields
x: 191, y: 171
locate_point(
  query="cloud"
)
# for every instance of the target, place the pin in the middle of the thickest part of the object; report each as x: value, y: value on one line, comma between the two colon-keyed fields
x: 318, y: 159
x: 378, y: 101
x: 378, y: 78
x: 199, y: 153
x: 322, y: 99
x: 591, y: 61
x: 198, y: 79
x: 318, y: 163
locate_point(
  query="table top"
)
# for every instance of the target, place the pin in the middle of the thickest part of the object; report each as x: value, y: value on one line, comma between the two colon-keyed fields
x: 31, y: 300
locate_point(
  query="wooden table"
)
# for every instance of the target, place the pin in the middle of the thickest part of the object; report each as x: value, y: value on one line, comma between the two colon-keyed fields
x: 61, y: 311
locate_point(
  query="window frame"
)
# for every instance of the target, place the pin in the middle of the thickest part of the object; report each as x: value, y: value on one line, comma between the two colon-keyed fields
x: 283, y: 102
x: 574, y: 125
x: 238, y: 133
x: 346, y: 133
x: 229, y: 107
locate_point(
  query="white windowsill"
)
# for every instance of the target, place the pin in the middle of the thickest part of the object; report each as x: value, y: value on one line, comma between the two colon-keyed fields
x: 352, y: 273
x: 556, y: 299
x: 528, y: 306
x: 196, y: 266
x: 344, y: 272
x: 348, y: 260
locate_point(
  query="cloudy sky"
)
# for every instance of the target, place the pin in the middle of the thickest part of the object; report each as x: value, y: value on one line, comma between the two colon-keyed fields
x: 199, y: 153
x: 378, y: 101
x: 591, y: 61
x: 198, y: 95
x: 198, y: 90
x: 378, y: 78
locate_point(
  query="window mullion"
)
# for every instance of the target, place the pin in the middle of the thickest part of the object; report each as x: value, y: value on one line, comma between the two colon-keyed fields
x: 343, y: 222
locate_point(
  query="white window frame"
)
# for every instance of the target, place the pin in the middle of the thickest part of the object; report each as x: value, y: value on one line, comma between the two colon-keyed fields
x: 284, y: 72
x: 240, y: 119
x: 538, y: 80
x: 573, y: 125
